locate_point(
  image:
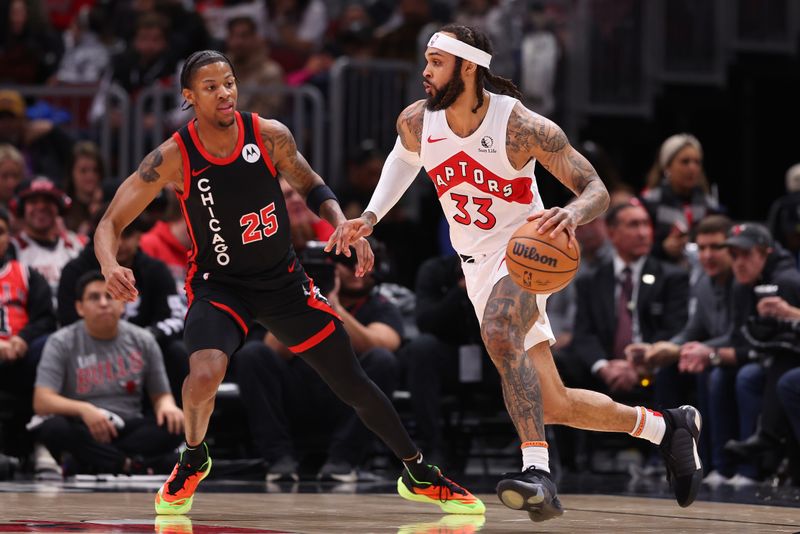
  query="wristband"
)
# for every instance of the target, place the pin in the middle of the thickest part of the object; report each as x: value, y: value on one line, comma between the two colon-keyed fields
x: 317, y: 196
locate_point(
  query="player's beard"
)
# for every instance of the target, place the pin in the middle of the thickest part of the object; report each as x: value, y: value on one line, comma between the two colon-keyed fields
x: 444, y: 97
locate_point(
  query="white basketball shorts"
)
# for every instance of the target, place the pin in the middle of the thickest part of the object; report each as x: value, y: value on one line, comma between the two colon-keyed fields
x: 482, y: 274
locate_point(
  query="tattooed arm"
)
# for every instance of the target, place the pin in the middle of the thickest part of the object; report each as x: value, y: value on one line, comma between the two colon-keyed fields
x: 293, y: 167
x: 159, y: 168
x: 529, y: 136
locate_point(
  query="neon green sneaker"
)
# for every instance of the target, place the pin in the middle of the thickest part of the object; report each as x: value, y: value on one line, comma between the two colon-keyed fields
x: 451, y: 498
x: 176, y: 495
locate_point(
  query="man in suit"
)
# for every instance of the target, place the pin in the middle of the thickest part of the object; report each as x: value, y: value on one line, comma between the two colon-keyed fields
x: 630, y: 297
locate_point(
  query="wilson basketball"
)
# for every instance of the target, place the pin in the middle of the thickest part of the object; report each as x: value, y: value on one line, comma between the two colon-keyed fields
x: 539, y: 264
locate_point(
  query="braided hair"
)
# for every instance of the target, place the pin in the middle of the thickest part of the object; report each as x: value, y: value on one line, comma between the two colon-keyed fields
x: 198, y: 59
x: 480, y: 40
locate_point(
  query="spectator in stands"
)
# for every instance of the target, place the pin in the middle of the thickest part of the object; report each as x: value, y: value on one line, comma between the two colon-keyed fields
x: 768, y: 286
x: 27, y: 317
x: 12, y: 172
x: 158, y: 308
x: 295, y: 29
x: 630, y: 297
x: 85, y: 58
x: 433, y: 362
x: 258, y: 77
x: 44, y: 145
x: 306, y: 226
x: 397, y: 38
x: 169, y: 242
x: 703, y: 347
x: 789, y: 393
x: 561, y: 306
x: 29, y: 49
x: 147, y: 62
x: 677, y: 196
x: 784, y: 214
x: 277, y: 388
x: 42, y: 244
x: 91, y: 382
x: 84, y: 186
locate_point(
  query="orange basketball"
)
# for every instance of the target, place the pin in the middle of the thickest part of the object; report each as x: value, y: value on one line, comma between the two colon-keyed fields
x: 539, y: 264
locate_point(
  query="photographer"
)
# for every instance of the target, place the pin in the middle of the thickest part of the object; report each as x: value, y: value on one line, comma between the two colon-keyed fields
x: 285, y: 399
x: 768, y: 287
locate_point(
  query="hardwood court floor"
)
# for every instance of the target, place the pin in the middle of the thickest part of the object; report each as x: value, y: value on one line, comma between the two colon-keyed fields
x: 311, y: 513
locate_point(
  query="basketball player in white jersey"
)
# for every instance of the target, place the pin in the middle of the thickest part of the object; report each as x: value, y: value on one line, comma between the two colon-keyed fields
x: 479, y: 150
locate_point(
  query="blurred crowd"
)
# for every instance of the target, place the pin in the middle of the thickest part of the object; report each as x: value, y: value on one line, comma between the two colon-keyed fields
x: 676, y: 301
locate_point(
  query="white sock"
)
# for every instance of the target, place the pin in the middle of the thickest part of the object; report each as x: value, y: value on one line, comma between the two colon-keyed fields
x: 649, y: 425
x: 535, y: 453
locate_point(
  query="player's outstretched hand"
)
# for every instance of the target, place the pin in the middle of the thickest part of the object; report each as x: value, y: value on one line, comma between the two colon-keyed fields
x: 555, y: 220
x: 365, y: 256
x: 120, y: 283
x: 346, y: 235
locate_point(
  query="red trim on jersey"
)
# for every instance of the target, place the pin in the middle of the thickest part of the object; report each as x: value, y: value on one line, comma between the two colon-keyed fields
x: 263, y: 150
x: 235, y: 316
x: 192, y: 255
x: 187, y: 169
x: 318, y: 304
x: 219, y: 161
x: 314, y: 340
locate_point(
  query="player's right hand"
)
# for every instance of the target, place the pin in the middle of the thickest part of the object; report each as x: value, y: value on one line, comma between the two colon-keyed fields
x: 120, y: 283
x: 101, y: 428
x: 346, y: 235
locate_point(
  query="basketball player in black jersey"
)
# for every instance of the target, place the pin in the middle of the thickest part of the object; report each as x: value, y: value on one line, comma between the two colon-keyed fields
x: 224, y: 168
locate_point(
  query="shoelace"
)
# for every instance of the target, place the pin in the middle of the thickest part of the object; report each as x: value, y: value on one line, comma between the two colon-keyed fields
x: 444, y: 482
x: 182, y: 475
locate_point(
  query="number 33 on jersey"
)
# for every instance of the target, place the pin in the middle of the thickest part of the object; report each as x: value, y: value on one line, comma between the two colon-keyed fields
x: 483, y: 197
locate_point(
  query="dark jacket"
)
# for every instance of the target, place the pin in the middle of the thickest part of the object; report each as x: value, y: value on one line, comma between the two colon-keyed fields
x: 710, y: 322
x: 443, y: 307
x: 159, y: 308
x: 779, y: 270
x: 662, y: 308
x: 666, y: 209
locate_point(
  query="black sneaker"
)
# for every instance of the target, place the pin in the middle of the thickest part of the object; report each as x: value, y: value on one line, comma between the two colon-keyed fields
x: 679, y: 449
x: 531, y: 490
x: 284, y: 469
x: 338, y: 470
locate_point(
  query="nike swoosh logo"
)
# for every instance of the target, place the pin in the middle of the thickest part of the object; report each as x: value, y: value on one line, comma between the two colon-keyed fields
x: 432, y: 140
x: 291, y: 267
x: 201, y: 171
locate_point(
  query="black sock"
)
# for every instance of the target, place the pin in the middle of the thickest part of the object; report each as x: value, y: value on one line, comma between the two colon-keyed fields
x: 420, y: 471
x: 195, y: 456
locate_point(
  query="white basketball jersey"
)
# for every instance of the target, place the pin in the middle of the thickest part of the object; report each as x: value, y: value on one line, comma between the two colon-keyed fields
x: 483, y: 197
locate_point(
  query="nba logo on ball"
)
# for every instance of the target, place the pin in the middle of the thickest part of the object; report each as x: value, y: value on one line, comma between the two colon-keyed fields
x: 538, y: 263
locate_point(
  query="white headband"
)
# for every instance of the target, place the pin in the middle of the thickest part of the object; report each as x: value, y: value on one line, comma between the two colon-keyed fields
x: 460, y: 49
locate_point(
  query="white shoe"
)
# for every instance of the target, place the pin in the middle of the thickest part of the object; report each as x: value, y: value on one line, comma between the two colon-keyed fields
x: 741, y: 481
x: 45, y: 466
x: 714, y: 479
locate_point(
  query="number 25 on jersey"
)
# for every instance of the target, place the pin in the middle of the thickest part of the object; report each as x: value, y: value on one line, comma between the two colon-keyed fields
x: 258, y: 226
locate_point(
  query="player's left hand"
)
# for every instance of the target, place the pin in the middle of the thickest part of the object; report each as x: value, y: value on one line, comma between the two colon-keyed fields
x: 365, y: 256
x: 555, y: 220
x: 171, y: 416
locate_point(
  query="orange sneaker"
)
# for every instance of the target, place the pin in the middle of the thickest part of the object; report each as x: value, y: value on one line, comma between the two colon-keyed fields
x: 176, y: 495
x: 449, y: 496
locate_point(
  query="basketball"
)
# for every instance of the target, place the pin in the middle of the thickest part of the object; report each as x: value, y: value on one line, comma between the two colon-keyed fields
x: 539, y: 264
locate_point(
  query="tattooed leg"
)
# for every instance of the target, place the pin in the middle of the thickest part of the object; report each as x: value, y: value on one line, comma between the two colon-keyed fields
x: 532, y: 389
x: 510, y: 313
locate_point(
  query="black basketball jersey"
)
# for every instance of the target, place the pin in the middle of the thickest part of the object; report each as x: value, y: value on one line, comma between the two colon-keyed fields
x: 234, y: 208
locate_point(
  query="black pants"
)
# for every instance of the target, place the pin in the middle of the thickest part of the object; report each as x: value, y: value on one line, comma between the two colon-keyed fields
x: 16, y: 385
x: 431, y: 368
x: 288, y: 403
x: 141, y: 437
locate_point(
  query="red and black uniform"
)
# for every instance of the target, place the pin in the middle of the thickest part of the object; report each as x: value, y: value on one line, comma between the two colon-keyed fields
x: 242, y: 267
x: 242, y: 262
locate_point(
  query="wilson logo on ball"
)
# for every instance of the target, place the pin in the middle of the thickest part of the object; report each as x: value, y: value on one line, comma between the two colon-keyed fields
x: 524, y: 251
